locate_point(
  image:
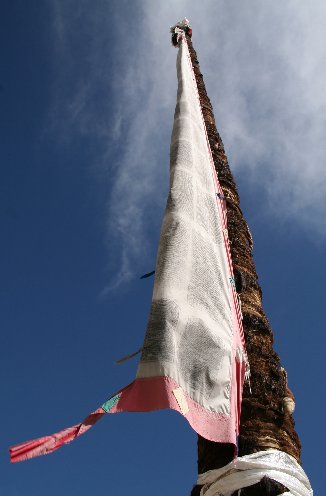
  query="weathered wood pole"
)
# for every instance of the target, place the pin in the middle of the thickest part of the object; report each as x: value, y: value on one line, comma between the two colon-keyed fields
x: 266, y: 420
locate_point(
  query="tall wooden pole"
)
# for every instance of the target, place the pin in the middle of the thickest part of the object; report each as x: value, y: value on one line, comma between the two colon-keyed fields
x: 266, y: 420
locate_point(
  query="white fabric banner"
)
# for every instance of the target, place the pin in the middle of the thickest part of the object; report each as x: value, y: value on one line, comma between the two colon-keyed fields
x: 190, y: 333
x: 193, y: 358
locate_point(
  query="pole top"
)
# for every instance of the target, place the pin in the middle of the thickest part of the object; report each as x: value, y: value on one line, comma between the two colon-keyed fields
x: 178, y: 29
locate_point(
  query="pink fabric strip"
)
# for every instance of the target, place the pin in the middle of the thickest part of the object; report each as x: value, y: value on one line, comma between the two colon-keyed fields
x: 48, y: 444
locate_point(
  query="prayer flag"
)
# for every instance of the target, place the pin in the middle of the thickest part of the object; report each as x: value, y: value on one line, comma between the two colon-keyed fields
x: 193, y: 358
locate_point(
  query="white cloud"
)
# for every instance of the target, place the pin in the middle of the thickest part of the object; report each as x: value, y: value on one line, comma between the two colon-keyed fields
x: 264, y: 68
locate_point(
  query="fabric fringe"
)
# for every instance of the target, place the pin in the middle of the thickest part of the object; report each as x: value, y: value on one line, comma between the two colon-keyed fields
x: 127, y: 357
x: 148, y: 274
x: 241, y: 357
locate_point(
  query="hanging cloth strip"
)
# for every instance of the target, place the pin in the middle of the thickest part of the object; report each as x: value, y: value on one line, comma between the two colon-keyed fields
x: 250, y: 469
x: 149, y: 274
x: 193, y: 358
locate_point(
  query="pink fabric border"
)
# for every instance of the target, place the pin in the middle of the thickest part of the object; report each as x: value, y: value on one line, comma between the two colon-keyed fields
x: 156, y: 393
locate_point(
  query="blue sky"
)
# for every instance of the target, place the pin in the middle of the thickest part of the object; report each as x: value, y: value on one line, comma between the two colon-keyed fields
x: 87, y: 94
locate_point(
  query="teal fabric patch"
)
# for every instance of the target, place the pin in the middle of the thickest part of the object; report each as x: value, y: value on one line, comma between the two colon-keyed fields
x: 232, y: 281
x: 108, y: 405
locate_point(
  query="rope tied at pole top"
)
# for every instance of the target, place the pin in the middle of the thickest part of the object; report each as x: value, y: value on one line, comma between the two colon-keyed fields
x: 178, y: 30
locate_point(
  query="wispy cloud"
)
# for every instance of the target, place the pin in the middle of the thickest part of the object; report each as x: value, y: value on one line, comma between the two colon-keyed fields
x: 264, y: 68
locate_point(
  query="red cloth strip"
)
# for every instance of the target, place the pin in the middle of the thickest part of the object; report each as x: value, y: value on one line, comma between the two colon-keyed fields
x: 48, y: 444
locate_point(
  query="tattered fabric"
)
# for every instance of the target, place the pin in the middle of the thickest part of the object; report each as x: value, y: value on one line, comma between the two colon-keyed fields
x: 193, y: 358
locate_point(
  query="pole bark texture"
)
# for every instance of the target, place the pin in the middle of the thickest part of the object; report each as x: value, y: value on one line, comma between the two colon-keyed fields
x: 266, y: 421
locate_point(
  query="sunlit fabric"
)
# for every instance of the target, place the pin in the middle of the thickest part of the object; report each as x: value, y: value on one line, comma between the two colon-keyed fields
x: 193, y: 358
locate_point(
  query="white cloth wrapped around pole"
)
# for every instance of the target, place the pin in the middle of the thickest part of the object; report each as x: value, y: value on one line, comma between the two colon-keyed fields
x: 250, y: 469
